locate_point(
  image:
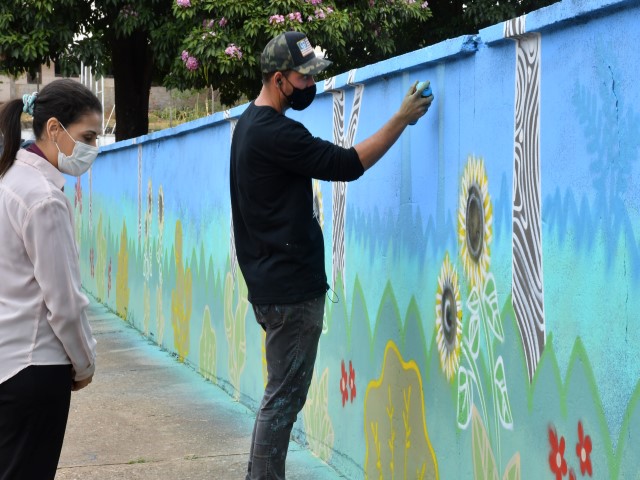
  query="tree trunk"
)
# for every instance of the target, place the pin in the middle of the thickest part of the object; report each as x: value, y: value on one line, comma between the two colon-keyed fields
x: 132, y: 72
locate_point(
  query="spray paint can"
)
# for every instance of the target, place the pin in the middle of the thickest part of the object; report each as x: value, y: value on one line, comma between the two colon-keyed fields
x: 425, y: 93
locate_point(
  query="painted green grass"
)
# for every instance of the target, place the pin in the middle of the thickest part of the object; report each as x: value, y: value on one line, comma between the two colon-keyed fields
x: 549, y: 401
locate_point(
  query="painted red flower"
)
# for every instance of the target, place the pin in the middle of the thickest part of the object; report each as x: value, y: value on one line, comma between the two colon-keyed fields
x: 352, y: 381
x: 556, y: 456
x: 572, y: 475
x: 583, y: 450
x: 343, y: 385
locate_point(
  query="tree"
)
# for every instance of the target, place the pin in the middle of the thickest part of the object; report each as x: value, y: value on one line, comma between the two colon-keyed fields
x: 222, y: 49
x: 140, y: 41
x: 452, y: 18
x: 136, y: 41
x: 217, y: 43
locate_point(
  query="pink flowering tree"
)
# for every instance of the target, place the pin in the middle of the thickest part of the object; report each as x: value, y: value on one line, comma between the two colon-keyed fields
x: 140, y: 42
x: 222, y: 47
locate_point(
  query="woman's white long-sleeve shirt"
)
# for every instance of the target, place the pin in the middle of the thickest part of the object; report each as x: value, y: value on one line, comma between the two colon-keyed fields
x: 43, y: 317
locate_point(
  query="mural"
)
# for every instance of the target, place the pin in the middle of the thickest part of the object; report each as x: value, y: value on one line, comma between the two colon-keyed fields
x: 449, y: 320
x: 340, y: 188
x: 122, y: 277
x: 147, y: 269
x: 159, y: 313
x: 394, y: 413
x: 475, y: 232
x: 317, y: 419
x: 235, y: 326
x: 484, y: 462
x: 208, y: 359
x: 528, y: 297
x: 181, y: 300
x: 448, y: 345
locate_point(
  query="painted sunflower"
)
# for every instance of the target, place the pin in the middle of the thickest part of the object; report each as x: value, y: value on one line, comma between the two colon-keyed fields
x: 475, y: 222
x: 448, y: 319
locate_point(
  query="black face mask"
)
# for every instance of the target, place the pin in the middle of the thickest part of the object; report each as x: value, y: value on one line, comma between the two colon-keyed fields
x: 300, y: 99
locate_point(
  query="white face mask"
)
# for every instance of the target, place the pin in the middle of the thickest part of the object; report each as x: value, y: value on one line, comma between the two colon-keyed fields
x: 81, y: 158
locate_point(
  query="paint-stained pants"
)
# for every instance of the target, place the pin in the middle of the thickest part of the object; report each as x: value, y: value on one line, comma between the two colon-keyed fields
x: 292, y: 335
x: 34, y: 406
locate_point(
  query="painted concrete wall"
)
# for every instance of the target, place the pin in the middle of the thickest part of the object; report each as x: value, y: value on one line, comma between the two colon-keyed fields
x: 486, y: 269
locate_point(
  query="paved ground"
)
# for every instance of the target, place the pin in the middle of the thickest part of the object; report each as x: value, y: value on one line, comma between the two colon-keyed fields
x: 146, y: 416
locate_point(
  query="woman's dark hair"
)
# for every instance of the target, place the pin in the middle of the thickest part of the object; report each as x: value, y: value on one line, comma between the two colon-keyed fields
x: 66, y: 99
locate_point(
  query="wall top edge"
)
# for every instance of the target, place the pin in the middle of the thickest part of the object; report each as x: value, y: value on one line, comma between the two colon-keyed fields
x: 566, y: 11
x: 183, y: 128
x: 439, y: 52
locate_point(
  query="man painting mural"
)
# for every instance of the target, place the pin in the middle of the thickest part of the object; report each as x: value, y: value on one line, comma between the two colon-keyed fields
x: 279, y: 242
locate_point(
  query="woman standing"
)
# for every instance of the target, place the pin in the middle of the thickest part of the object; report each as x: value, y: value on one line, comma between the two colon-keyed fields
x: 46, y: 345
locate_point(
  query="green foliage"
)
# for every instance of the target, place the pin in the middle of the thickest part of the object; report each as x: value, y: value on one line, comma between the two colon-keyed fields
x: 136, y: 40
x: 351, y: 33
x: 116, y: 19
x: 172, y: 116
x: 482, y: 13
x: 452, y: 18
x: 34, y: 32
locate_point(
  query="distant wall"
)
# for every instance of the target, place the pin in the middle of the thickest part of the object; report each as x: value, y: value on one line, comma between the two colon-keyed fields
x: 487, y: 269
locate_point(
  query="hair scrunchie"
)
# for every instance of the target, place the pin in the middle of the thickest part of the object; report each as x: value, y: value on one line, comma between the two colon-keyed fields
x: 29, y: 99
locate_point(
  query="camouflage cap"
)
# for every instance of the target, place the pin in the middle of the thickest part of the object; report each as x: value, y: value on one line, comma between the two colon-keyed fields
x: 291, y: 51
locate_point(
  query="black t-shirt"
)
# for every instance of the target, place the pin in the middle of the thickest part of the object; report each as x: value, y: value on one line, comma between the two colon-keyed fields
x: 278, y: 240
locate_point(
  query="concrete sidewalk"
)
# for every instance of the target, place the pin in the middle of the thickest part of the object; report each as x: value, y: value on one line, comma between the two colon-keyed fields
x: 146, y: 416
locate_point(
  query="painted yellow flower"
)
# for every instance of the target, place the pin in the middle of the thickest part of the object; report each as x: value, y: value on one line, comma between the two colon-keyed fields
x: 318, y: 211
x: 448, y: 319
x: 475, y: 222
